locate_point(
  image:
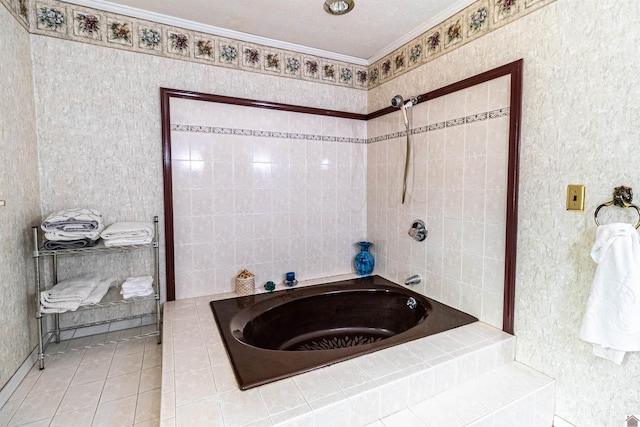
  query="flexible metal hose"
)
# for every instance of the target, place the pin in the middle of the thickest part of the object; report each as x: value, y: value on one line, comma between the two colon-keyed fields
x: 406, y: 163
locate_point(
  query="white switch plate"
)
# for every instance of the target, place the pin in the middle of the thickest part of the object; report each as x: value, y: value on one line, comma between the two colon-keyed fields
x: 2, y: 203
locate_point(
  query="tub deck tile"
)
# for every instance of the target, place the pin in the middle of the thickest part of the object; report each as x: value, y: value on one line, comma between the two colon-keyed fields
x: 198, y: 380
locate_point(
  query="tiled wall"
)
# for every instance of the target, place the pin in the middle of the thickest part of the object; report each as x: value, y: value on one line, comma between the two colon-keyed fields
x: 457, y: 185
x: 264, y: 190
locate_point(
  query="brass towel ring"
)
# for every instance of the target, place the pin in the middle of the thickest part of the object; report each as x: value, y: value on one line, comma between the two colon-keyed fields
x: 622, y: 197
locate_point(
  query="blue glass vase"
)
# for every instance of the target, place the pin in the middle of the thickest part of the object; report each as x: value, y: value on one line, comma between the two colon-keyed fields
x: 364, y: 260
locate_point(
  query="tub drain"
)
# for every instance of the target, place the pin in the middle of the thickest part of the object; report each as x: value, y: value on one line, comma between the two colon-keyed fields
x: 330, y: 343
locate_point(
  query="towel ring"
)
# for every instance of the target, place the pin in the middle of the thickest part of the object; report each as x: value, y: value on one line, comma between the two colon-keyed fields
x: 622, y: 197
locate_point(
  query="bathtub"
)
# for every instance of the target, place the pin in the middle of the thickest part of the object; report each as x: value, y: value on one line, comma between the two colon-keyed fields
x: 269, y: 337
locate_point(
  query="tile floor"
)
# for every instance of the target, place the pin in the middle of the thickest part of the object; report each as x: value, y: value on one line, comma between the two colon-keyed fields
x: 111, y: 379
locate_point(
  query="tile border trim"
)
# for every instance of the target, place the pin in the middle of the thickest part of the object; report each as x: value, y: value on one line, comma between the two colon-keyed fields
x: 493, y: 114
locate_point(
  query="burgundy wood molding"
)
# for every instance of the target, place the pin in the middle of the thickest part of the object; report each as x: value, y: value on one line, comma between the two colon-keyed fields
x: 165, y: 112
x: 198, y: 96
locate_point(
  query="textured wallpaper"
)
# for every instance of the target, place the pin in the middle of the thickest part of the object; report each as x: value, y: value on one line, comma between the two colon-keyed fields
x: 19, y: 189
x: 99, y: 144
x: 579, y: 126
x: 99, y: 121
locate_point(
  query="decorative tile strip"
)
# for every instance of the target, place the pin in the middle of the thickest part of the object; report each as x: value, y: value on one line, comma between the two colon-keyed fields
x: 476, y: 117
x: 200, y: 129
x: 242, y: 132
x: 503, y: 112
x: 455, y: 122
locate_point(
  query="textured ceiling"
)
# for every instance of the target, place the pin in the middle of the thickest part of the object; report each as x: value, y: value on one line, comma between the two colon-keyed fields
x: 373, y: 28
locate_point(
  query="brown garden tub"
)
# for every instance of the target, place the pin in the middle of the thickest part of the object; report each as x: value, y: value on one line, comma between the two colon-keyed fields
x: 274, y: 336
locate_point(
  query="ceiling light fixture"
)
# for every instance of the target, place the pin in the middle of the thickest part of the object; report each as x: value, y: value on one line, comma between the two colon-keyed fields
x: 338, y: 7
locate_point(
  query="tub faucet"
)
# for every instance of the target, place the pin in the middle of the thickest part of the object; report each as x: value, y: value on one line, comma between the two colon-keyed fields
x: 413, y: 280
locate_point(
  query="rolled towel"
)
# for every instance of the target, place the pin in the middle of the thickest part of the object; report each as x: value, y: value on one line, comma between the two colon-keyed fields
x: 74, y: 235
x: 79, y: 219
x: 54, y: 245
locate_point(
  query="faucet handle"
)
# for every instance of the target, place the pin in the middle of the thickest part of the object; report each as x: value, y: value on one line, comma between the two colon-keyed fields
x: 418, y: 230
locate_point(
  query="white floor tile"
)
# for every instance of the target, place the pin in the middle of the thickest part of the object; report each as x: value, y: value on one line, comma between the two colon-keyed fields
x: 119, y: 412
x: 81, y: 397
x: 121, y: 386
x: 148, y: 406
x: 37, y: 407
x: 80, y: 418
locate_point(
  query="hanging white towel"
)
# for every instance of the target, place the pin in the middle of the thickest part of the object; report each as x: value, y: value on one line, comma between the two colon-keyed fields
x: 612, y: 316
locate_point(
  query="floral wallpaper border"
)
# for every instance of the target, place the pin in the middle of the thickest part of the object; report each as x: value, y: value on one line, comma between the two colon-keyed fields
x: 488, y: 115
x: 86, y: 25
x: 478, y: 19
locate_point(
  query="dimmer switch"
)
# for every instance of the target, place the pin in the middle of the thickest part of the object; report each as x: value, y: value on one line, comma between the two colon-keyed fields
x: 575, y: 197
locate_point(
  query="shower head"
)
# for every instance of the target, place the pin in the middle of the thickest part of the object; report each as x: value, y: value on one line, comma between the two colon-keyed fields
x: 396, y: 102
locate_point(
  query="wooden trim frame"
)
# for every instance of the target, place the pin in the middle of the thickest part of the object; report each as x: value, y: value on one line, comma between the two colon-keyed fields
x: 513, y: 69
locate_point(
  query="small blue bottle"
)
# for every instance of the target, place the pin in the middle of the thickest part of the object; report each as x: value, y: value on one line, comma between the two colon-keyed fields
x: 290, y: 279
x: 364, y: 261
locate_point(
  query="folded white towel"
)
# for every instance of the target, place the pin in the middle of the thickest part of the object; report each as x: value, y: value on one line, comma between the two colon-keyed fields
x: 76, y: 289
x: 127, y: 242
x: 611, y: 321
x: 100, y: 291
x: 62, y: 302
x: 57, y: 307
x: 126, y: 230
x: 78, y: 219
x: 137, y: 287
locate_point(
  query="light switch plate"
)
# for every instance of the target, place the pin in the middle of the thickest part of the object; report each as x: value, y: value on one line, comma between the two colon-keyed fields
x: 2, y: 203
x: 575, y: 197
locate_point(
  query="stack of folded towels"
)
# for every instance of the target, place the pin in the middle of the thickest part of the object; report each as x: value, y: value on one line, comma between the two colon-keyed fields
x: 70, y: 294
x: 137, y: 287
x: 128, y: 233
x: 72, y: 229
